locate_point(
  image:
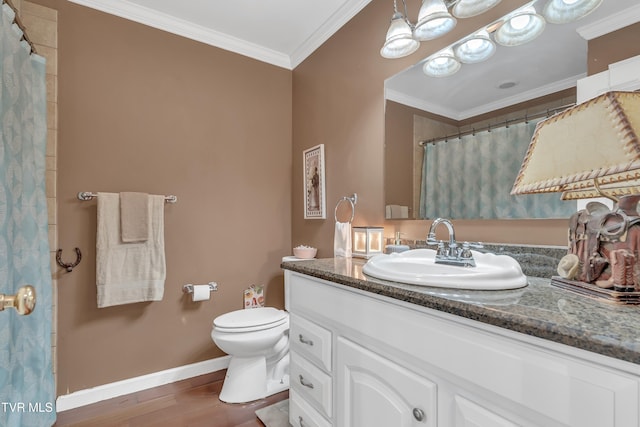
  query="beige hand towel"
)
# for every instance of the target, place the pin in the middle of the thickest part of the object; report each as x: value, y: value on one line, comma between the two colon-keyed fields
x: 129, y: 272
x: 134, y: 212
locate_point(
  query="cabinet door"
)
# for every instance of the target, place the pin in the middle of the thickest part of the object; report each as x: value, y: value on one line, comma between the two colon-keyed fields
x: 377, y: 392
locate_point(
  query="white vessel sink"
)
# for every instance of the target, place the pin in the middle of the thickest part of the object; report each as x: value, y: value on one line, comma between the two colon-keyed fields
x: 418, y: 267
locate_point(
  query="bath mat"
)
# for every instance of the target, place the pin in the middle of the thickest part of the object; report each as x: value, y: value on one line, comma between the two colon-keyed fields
x: 276, y: 415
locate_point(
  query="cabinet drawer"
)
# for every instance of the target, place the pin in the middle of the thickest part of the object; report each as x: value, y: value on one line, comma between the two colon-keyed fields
x: 301, y: 414
x: 311, y: 382
x: 311, y: 340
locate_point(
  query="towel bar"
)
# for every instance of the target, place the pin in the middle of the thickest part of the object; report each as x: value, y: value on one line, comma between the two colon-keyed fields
x: 87, y: 195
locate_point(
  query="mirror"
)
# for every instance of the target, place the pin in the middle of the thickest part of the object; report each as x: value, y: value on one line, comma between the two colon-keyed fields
x: 516, y: 81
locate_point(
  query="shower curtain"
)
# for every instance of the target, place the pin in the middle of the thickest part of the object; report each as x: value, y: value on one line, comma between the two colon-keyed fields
x: 471, y: 177
x: 27, y: 395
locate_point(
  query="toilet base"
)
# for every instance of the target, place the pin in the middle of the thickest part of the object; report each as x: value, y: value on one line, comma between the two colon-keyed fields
x: 246, y: 380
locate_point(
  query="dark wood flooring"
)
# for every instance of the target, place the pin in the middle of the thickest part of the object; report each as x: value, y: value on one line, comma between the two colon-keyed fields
x: 189, y: 403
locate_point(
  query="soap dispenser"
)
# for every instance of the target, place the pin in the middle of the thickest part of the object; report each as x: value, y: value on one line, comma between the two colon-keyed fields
x: 397, y: 246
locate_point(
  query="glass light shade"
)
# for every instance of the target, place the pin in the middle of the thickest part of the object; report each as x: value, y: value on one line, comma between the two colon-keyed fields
x: 469, y: 8
x: 520, y: 27
x: 367, y: 241
x: 563, y: 11
x: 399, y: 41
x: 434, y: 20
x: 475, y: 48
x: 586, y: 149
x: 442, y: 64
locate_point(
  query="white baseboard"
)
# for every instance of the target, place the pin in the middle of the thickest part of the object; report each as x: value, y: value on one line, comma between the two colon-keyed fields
x: 132, y: 385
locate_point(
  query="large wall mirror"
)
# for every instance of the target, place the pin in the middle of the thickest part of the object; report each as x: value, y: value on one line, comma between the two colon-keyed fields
x: 515, y: 85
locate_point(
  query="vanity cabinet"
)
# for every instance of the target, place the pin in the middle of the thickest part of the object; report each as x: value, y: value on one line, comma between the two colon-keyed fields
x: 363, y: 360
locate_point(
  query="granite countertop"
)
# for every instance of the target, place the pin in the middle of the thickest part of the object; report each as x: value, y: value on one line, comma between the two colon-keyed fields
x: 539, y: 309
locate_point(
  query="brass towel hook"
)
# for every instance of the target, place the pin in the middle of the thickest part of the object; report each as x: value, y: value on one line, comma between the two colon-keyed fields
x: 68, y: 266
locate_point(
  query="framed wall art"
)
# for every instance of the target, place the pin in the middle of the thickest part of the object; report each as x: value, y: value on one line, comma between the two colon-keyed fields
x: 314, y: 189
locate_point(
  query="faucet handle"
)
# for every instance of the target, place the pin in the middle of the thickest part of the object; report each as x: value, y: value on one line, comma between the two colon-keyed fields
x: 474, y: 245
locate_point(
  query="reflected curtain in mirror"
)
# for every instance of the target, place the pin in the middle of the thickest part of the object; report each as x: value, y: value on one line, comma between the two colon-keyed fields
x: 471, y: 178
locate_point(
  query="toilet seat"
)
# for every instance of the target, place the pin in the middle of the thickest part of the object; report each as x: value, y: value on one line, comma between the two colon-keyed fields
x: 249, y: 320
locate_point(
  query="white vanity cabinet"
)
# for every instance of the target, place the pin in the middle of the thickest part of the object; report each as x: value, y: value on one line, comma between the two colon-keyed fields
x: 376, y: 361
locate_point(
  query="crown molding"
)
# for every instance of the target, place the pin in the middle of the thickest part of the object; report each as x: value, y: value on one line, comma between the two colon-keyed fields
x: 339, y: 18
x: 423, y: 105
x: 611, y: 23
x: 162, y: 21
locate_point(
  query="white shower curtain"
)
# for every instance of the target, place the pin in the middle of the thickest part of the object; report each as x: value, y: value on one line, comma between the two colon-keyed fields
x: 26, y: 377
x: 471, y: 177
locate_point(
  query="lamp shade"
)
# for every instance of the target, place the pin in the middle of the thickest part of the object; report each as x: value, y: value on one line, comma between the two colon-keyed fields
x: 520, y: 27
x: 442, y: 64
x: 469, y: 8
x: 475, y: 48
x: 434, y: 20
x: 586, y: 151
x: 399, y: 41
x: 563, y: 11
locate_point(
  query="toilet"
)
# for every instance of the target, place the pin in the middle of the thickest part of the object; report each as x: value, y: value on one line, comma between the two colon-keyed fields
x: 257, y: 339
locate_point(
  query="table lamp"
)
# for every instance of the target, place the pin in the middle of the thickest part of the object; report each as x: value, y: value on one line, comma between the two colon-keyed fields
x: 593, y: 150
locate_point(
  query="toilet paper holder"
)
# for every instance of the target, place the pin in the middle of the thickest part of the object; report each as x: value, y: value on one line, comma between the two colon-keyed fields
x: 188, y: 289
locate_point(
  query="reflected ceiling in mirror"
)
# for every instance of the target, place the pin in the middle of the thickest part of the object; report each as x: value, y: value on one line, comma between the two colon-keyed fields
x: 554, y: 61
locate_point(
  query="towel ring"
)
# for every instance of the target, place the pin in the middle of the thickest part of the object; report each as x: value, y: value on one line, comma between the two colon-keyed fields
x: 353, y: 199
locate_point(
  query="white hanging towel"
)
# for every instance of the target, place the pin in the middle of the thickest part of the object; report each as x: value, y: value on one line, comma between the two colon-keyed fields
x: 129, y: 272
x: 342, y: 240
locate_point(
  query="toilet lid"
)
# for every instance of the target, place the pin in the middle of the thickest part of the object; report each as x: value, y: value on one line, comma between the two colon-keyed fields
x: 250, y: 317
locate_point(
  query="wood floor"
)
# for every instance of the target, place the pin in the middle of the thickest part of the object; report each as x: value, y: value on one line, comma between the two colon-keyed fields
x: 189, y: 403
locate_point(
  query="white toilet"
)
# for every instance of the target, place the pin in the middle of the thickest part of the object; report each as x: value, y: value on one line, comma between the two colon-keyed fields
x: 257, y: 339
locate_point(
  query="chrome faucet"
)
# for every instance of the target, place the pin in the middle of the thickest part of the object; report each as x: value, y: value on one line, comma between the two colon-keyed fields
x: 451, y: 254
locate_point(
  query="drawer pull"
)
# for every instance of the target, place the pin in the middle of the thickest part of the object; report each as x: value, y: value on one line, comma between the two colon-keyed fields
x: 305, y: 383
x: 301, y: 421
x: 304, y: 340
x: 418, y: 414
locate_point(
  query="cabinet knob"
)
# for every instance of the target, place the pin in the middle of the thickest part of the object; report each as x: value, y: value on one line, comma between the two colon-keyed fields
x: 418, y: 414
x: 301, y: 422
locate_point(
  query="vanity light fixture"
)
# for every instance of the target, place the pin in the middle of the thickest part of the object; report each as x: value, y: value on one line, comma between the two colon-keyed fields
x: 563, y: 11
x: 367, y: 241
x: 520, y: 27
x: 442, y: 64
x: 516, y: 28
x: 434, y: 20
x: 475, y: 48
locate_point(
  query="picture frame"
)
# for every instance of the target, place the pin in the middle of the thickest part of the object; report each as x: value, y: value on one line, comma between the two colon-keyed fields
x: 314, y: 186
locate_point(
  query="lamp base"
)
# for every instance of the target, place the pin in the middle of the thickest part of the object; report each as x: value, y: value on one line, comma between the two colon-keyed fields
x: 588, y: 289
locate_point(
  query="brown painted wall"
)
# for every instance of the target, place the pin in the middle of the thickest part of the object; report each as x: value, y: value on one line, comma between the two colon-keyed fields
x: 145, y: 110
x: 613, y: 47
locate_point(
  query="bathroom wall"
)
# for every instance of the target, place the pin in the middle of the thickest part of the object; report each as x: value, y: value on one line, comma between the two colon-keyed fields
x: 613, y: 47
x: 338, y: 100
x: 145, y: 110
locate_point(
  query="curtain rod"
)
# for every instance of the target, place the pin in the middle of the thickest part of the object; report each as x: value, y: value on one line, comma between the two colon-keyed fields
x: 506, y: 123
x: 16, y: 20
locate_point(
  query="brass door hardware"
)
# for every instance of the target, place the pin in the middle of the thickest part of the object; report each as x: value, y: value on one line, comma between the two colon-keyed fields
x: 24, y: 301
